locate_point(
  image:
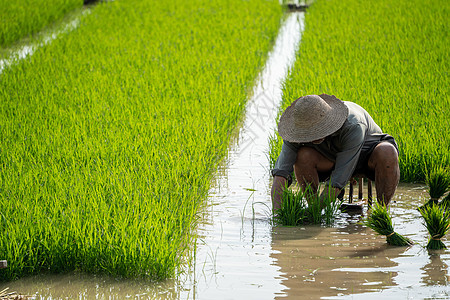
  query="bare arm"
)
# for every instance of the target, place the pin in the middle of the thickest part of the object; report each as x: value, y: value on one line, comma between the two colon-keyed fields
x: 279, y: 184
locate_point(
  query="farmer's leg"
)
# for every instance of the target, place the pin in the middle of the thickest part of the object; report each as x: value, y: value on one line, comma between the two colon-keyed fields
x: 308, y: 165
x: 384, y: 161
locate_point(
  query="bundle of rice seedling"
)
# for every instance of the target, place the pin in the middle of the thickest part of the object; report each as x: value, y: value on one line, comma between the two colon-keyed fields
x: 296, y: 210
x: 438, y: 180
x: 437, y: 222
x: 332, y: 205
x: 380, y: 221
x: 445, y: 203
x: 292, y: 211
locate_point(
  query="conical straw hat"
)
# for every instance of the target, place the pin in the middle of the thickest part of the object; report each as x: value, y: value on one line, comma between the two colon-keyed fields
x: 312, y: 117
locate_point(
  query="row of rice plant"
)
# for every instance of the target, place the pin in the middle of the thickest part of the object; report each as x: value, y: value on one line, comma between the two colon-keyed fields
x: 110, y: 135
x: 392, y: 58
x: 19, y: 18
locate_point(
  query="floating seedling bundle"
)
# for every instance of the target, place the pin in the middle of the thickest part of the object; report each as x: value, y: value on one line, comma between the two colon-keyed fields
x: 380, y: 221
x: 437, y: 222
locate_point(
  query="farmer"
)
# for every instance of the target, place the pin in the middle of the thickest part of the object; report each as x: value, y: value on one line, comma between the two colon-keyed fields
x: 326, y: 139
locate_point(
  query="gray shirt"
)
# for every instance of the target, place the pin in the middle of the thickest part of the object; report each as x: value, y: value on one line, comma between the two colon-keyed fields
x: 342, y: 147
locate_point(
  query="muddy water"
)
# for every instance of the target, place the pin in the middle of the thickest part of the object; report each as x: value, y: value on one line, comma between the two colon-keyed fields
x: 234, y: 254
x: 350, y: 261
x: 241, y: 255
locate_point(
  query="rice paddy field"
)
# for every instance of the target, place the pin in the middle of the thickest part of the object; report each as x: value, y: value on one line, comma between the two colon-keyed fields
x: 20, y: 18
x: 110, y: 134
x: 392, y: 58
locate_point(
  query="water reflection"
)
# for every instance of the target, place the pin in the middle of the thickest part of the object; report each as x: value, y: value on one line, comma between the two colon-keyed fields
x: 84, y: 286
x: 350, y: 261
x: 320, y: 262
x: 246, y: 257
x: 436, y: 271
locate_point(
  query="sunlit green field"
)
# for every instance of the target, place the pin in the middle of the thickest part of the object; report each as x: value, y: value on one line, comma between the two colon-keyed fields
x: 392, y: 58
x: 19, y: 18
x: 110, y: 135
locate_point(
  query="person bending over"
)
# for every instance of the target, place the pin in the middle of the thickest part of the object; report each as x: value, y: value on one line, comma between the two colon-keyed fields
x: 326, y: 139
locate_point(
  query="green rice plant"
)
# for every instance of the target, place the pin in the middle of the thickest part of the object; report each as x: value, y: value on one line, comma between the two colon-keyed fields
x: 23, y: 17
x: 438, y: 180
x: 430, y: 202
x: 314, y: 209
x: 275, y: 145
x: 293, y: 209
x: 110, y: 134
x: 437, y: 222
x: 296, y: 210
x: 445, y: 203
x: 380, y: 221
x: 390, y: 66
x: 331, y: 207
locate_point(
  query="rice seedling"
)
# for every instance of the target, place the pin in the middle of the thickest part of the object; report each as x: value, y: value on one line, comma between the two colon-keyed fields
x: 438, y: 180
x: 23, y: 17
x: 437, y: 222
x: 331, y: 208
x: 358, y: 52
x: 445, y: 203
x: 292, y: 211
x: 380, y: 221
x: 296, y: 210
x: 110, y: 135
x: 314, y: 209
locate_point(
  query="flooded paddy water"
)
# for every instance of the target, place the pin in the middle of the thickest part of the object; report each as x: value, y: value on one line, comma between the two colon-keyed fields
x: 350, y: 261
x: 241, y: 254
